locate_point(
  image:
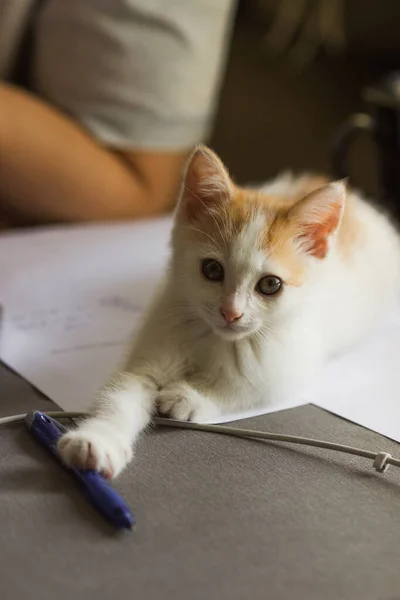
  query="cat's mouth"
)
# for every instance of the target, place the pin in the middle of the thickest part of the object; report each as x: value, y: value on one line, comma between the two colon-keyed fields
x: 232, y: 332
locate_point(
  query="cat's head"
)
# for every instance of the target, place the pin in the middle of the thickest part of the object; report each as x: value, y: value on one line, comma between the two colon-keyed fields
x: 243, y: 259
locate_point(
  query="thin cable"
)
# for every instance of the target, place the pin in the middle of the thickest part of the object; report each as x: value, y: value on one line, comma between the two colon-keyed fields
x: 381, y: 460
x: 291, y: 439
x: 59, y: 414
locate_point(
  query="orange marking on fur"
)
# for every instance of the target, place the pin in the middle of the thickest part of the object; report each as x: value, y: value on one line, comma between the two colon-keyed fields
x: 242, y: 207
x: 278, y: 244
x: 229, y: 215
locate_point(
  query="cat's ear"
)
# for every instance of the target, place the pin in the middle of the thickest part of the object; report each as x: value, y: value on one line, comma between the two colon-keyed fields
x: 206, y: 183
x: 318, y: 216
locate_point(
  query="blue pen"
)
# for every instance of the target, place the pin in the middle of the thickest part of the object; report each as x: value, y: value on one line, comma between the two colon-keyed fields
x: 48, y: 431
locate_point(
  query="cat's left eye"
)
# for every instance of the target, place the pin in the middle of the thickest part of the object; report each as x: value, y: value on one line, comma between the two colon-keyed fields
x: 269, y: 285
x: 212, y: 269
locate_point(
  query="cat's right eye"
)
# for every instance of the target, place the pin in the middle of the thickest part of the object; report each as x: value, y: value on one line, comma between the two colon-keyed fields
x: 212, y: 269
x: 269, y: 285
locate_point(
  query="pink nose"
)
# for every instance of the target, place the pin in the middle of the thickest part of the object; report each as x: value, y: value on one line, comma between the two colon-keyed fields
x: 230, y: 316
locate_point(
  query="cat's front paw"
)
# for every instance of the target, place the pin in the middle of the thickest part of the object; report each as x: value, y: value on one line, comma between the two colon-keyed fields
x: 182, y: 402
x: 95, y: 446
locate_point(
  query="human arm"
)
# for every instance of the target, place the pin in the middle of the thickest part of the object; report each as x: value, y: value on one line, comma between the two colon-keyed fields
x: 52, y: 170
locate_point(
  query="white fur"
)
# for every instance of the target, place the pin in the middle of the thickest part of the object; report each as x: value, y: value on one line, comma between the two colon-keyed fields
x: 184, y: 361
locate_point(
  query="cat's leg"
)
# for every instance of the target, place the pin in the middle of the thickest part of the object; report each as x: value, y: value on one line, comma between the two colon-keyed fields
x: 183, y: 401
x: 124, y: 407
x: 104, y: 441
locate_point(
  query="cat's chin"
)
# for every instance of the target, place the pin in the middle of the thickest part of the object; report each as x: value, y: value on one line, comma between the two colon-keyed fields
x: 232, y: 334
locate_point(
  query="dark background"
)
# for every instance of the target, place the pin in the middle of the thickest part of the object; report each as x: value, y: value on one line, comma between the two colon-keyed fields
x: 274, y: 115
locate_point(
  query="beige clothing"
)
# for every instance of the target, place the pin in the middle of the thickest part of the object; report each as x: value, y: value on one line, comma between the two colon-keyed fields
x: 135, y: 73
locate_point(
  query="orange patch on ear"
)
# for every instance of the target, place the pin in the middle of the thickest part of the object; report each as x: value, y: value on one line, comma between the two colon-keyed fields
x: 316, y: 235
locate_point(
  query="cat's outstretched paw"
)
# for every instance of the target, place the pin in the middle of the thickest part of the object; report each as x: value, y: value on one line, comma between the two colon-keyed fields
x: 182, y: 402
x: 97, y: 447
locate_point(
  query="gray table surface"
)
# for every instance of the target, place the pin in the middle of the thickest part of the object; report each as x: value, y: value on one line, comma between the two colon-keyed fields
x: 218, y: 517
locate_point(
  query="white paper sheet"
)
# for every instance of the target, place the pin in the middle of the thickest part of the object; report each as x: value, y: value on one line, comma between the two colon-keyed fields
x: 72, y: 297
x: 364, y: 385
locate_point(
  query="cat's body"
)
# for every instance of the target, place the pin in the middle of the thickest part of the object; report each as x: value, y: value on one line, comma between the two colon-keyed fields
x: 263, y: 286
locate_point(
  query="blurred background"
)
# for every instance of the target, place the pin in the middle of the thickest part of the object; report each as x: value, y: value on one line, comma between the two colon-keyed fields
x: 130, y: 86
x: 296, y: 71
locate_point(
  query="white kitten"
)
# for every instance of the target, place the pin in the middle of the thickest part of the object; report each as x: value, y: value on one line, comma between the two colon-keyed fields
x: 263, y: 286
